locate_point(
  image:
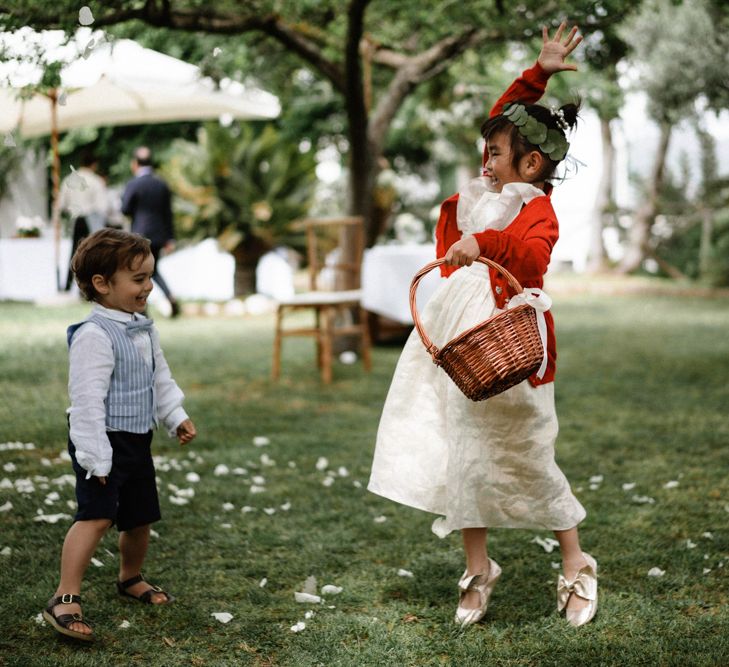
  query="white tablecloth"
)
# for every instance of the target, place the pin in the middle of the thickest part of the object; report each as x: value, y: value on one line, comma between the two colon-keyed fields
x: 28, y: 268
x: 387, y: 272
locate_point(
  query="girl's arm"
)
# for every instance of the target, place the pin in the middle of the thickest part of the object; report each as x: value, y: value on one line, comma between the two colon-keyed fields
x: 530, y: 86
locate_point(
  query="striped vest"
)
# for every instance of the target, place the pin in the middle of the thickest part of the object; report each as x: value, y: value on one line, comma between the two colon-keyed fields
x: 130, y: 403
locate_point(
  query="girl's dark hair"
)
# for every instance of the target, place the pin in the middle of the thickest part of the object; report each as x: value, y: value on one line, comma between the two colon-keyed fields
x: 519, y: 144
x: 104, y: 253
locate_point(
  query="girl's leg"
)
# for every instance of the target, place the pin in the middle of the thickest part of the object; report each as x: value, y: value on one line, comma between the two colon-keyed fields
x: 81, y: 541
x: 477, y: 561
x: 133, y: 545
x: 572, y: 561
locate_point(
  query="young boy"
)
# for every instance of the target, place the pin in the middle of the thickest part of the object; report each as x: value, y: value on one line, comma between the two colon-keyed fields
x: 120, y: 386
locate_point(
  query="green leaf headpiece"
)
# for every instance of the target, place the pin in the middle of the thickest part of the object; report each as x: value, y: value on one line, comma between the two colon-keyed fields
x: 550, y: 141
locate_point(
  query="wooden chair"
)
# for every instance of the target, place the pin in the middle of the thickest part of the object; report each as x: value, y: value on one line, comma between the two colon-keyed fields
x: 333, y: 304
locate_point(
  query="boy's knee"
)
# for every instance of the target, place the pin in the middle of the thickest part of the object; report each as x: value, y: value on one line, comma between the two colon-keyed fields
x: 99, y: 525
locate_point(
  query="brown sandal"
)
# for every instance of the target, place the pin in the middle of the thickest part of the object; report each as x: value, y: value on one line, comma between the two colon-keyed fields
x: 146, y: 597
x: 61, y: 623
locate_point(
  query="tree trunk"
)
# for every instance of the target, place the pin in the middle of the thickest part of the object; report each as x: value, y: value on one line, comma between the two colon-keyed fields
x: 604, y: 201
x: 707, y: 225
x: 246, y: 257
x: 640, y: 232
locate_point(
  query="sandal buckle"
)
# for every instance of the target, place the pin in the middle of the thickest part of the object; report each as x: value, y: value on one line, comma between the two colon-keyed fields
x: 67, y: 601
x: 157, y: 589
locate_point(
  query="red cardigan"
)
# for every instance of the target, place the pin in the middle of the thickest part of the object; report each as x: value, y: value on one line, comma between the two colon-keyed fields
x: 525, y: 246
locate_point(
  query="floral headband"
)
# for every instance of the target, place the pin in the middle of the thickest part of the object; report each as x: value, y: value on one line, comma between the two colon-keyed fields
x: 550, y: 141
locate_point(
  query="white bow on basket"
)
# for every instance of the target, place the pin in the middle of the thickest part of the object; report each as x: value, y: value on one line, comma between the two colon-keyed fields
x: 541, y: 302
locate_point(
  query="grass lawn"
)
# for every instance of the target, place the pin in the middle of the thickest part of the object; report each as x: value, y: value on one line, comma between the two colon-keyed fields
x: 642, y: 396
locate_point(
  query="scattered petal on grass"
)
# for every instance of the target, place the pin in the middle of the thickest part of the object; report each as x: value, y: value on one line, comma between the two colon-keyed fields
x: 261, y: 441
x: 227, y: 526
x: 185, y: 493
x: 307, y: 598
x: 298, y: 627
x: 405, y: 573
x: 9, y: 467
x: 671, y: 485
x: 330, y: 589
x: 221, y: 469
x: 708, y: 535
x: 222, y: 616
x: 192, y: 477
x: 5, y: 551
x: 309, y: 614
x: 643, y: 500
x: 240, y: 471
x: 547, y: 543
x: 154, y: 533
x: 322, y: 463
x: 706, y: 570
x: 556, y: 565
x: 596, y: 479
x: 628, y: 486
x: 357, y: 484
x: 327, y: 481
x: 257, y: 489
x: 342, y: 471
x: 5, y: 483
x: 439, y: 527
x: 348, y: 357
x: 176, y: 500
x: 125, y: 624
x: 594, y: 487
x: 310, y: 585
x: 85, y: 17
x: 247, y: 508
x: 217, y: 51
x: 258, y: 479
x: 380, y: 519
x: 50, y: 518
x: 39, y: 619
x: 286, y: 506
x: 656, y: 572
x: 6, y: 507
x: 262, y: 583
x: 96, y: 562
x: 266, y: 460
x: 690, y: 544
x: 269, y: 510
x: 227, y: 507
x: 9, y: 140
x: 292, y: 464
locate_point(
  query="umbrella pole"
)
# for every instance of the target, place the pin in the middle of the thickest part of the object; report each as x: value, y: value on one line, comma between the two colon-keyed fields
x: 56, y: 185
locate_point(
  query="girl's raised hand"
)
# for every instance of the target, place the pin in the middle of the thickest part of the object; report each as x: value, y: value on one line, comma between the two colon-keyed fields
x: 555, y: 51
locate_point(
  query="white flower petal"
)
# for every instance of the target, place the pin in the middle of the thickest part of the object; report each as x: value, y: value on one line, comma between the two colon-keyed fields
x: 643, y: 500
x: 257, y: 489
x: 192, y: 477
x: 226, y: 525
x: 38, y: 618
x: 405, y: 573
x: 706, y: 570
x: 176, y: 500
x: 342, y: 471
x: 357, y: 484
x: 327, y: 481
x: 222, y: 616
x: 9, y: 467
x: 266, y: 460
x: 322, y: 463
x: 656, y: 572
x: 269, y: 510
x: 221, y: 469
x: 5, y: 551
x: 309, y: 614
x: 628, y: 486
x: 298, y: 627
x: 6, y: 507
x: 227, y: 507
x: 96, y: 562
x: 50, y: 518
x: 286, y: 506
x: 125, y: 624
x: 671, y: 485
x: 596, y: 479
x: 708, y: 535
x: 247, y: 508
x: 292, y: 464
x: 240, y: 471
x: 262, y: 583
x: 258, y: 479
x: 261, y: 441
x: 154, y: 533
x: 690, y: 544
x: 547, y: 543
x: 348, y: 357
x: 307, y: 598
x: 5, y: 483
x: 440, y: 527
x: 330, y: 589
x: 380, y: 519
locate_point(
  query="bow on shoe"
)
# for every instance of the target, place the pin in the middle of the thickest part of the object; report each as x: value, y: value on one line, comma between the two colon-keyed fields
x: 470, y: 583
x: 584, y: 585
x: 141, y: 324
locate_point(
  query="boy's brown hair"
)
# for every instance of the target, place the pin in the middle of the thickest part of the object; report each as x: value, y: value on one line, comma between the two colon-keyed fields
x: 104, y: 253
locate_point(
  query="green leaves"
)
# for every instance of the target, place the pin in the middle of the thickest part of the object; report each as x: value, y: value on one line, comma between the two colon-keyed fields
x: 550, y: 141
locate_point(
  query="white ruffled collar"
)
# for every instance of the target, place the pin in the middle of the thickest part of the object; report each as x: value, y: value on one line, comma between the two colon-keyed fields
x: 480, y: 207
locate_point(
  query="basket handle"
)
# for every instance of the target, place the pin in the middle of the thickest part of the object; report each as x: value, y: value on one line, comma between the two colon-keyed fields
x: 429, y: 346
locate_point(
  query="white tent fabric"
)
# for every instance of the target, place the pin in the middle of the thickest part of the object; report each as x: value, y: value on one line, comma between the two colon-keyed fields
x: 122, y: 84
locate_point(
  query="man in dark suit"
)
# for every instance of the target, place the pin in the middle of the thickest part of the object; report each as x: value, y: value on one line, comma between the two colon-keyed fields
x: 147, y: 200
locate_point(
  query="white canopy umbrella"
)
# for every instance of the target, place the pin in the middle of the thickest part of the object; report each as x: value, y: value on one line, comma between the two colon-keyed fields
x: 123, y: 83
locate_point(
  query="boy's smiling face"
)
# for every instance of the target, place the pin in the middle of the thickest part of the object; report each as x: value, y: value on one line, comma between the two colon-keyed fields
x: 127, y: 290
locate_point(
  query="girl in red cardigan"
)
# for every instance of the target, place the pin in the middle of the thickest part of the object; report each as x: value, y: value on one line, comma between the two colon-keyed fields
x: 491, y: 464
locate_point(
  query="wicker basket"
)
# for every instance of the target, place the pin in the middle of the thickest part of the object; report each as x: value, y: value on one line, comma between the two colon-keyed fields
x: 494, y: 355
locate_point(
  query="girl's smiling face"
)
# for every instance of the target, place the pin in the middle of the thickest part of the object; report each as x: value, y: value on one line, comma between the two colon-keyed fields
x: 499, y: 167
x: 127, y: 290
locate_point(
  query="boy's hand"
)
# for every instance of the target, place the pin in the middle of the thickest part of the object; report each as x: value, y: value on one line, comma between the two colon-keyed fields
x: 554, y: 52
x: 463, y: 252
x: 186, y: 432
x: 102, y: 480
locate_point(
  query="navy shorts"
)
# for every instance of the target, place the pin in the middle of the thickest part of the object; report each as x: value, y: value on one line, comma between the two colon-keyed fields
x: 129, y: 497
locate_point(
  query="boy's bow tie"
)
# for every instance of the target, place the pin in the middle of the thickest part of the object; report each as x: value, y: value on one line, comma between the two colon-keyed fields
x: 141, y: 324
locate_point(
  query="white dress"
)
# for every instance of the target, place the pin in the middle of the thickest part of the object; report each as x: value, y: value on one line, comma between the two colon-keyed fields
x: 477, y: 464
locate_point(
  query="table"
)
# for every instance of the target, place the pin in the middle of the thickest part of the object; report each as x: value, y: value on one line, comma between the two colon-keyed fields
x: 28, y: 267
x: 388, y: 270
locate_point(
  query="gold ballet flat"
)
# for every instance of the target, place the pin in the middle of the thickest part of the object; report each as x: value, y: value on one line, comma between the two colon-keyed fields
x: 584, y: 585
x: 484, y: 585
